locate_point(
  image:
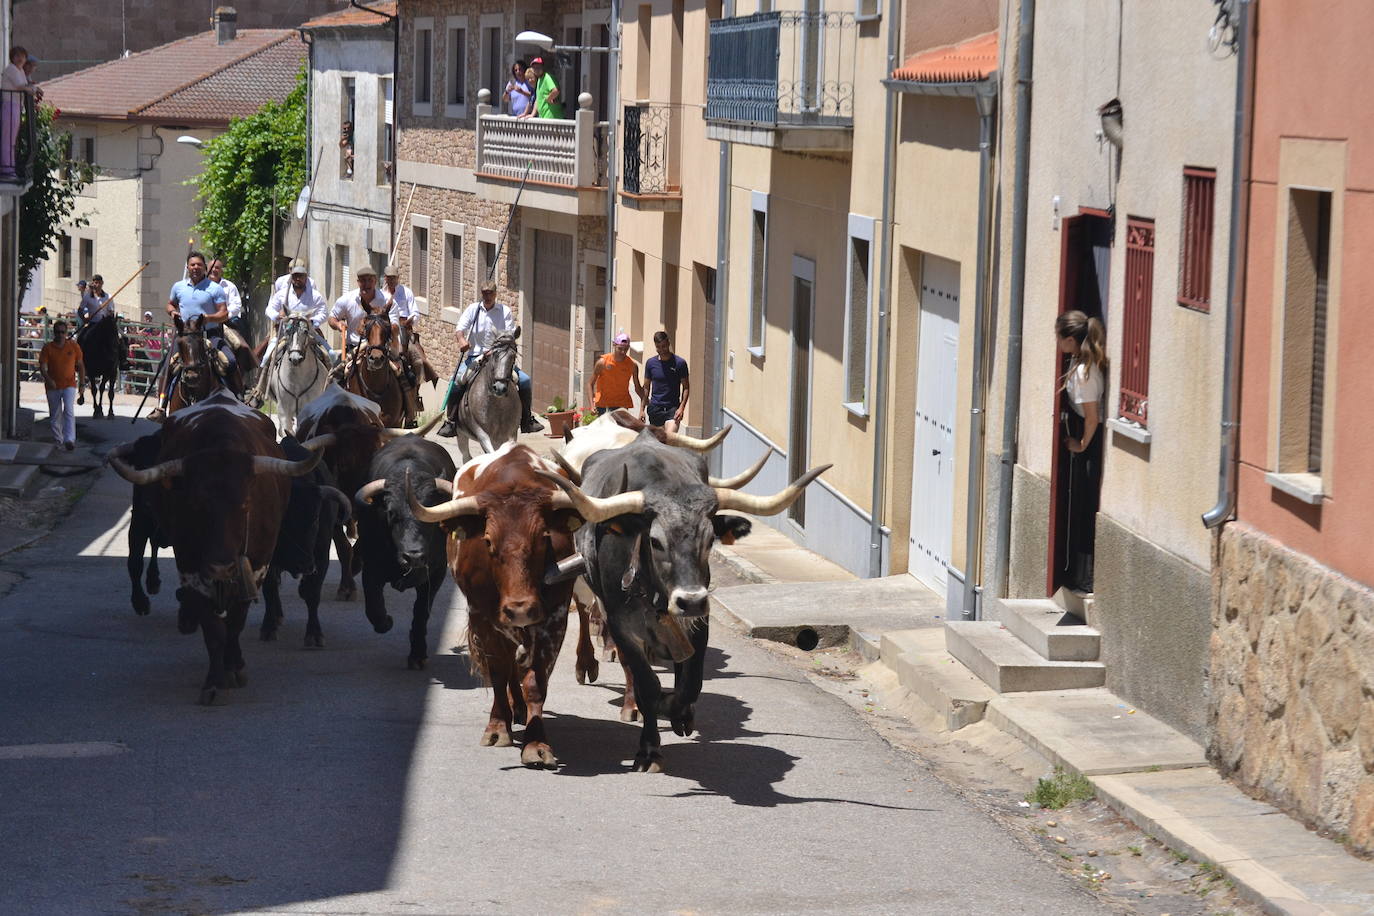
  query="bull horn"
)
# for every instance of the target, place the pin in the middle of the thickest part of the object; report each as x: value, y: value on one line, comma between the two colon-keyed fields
x: 336, y: 495
x: 573, y: 473
x: 742, y: 478
x: 696, y: 445
x: 262, y: 464
x: 321, y: 442
x: 444, y: 484
x: 592, y: 508
x: 143, y: 476
x: 368, y: 490
x: 392, y: 432
x: 463, y: 505
x: 767, y: 505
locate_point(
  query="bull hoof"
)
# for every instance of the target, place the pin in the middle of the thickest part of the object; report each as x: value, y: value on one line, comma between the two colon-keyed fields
x: 207, y: 696
x: 538, y: 756
x: 649, y: 764
x: 266, y: 635
x: 314, y: 640
x: 187, y: 623
x: 415, y: 664
x: 683, y: 721
x: 142, y: 606
x: 346, y: 593
x: 588, y: 673
x: 153, y: 585
x: 629, y: 714
x: 495, y: 737
x: 384, y: 626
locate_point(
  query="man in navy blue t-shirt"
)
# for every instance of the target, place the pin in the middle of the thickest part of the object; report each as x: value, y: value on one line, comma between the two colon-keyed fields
x: 669, y: 388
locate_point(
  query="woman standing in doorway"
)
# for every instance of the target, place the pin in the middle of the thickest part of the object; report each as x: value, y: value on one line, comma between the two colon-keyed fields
x: 1084, y: 340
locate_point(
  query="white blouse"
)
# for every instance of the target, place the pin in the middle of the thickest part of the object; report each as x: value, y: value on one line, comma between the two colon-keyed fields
x: 1085, y: 386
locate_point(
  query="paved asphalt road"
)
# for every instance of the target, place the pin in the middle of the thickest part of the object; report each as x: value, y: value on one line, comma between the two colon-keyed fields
x: 337, y: 781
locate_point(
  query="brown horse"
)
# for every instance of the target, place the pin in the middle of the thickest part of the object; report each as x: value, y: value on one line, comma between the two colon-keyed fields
x: 198, y: 376
x: 372, y: 373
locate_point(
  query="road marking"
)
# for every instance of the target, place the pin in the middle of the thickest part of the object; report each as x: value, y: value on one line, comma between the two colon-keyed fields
x: 61, y: 751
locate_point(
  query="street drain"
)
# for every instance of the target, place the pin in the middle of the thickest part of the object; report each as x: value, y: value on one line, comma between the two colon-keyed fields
x: 807, y: 639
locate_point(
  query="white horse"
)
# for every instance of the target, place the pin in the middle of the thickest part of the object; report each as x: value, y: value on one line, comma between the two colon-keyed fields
x: 300, y: 373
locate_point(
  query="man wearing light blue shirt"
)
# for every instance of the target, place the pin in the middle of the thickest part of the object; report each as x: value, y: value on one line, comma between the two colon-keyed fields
x: 198, y: 297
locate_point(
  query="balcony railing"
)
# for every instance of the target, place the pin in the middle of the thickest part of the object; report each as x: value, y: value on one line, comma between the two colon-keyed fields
x: 650, y: 164
x: 562, y: 152
x: 18, y: 137
x: 791, y: 69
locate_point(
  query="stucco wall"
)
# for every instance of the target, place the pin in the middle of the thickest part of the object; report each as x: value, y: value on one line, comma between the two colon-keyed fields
x: 1292, y: 654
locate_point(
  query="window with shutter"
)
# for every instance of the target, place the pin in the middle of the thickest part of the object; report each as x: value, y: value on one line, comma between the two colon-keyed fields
x: 419, y: 263
x: 453, y: 272
x: 1135, y: 339
x: 1195, y: 260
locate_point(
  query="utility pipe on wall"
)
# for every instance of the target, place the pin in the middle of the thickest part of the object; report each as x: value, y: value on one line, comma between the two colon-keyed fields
x: 1016, y: 300
x: 613, y: 94
x: 1235, y: 275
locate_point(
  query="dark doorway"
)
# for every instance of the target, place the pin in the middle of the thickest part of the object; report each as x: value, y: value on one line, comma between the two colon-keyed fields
x: 1084, y: 272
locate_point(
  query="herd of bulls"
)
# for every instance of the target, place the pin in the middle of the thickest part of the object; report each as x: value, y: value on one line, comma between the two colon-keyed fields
x: 618, y: 527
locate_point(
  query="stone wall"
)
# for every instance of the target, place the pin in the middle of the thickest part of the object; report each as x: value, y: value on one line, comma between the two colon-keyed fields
x: 1292, y: 658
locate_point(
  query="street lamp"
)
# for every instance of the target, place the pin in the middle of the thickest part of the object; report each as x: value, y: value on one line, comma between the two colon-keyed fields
x: 546, y: 43
x: 190, y: 140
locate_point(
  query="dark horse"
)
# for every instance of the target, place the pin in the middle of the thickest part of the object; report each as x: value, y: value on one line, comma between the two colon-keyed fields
x: 372, y: 372
x: 198, y: 375
x: 100, y: 345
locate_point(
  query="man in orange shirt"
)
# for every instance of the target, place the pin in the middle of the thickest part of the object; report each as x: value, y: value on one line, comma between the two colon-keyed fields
x: 60, y: 364
x: 612, y: 376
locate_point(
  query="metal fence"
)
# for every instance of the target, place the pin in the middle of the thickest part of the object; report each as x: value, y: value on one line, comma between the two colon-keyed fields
x: 144, y: 343
x: 783, y: 68
x: 647, y: 137
x: 18, y: 136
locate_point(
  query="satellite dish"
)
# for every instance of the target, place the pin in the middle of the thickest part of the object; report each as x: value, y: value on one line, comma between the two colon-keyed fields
x: 303, y: 202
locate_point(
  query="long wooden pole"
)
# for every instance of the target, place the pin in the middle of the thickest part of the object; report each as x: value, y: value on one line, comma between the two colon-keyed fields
x: 130, y: 280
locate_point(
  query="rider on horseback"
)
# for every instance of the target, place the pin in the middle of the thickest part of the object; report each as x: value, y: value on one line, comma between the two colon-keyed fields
x: 299, y: 295
x: 347, y: 317
x: 198, y: 297
x: 478, y: 326
x: 403, y: 312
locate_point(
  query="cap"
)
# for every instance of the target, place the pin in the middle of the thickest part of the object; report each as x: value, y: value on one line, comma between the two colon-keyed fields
x: 81, y: 282
x: 391, y: 271
x: 365, y: 270
x: 147, y: 316
x: 298, y: 267
x: 622, y: 338
x: 537, y: 60
x: 487, y: 286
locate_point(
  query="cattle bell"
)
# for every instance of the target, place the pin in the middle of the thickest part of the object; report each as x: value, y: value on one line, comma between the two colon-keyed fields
x: 565, y: 569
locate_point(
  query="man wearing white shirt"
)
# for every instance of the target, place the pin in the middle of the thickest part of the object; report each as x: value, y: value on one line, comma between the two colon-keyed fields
x: 347, y: 317
x: 298, y: 295
x: 403, y: 313
x: 234, y: 330
x: 478, y: 326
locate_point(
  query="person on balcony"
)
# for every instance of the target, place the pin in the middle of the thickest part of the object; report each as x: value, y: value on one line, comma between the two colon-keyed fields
x: 518, y: 96
x: 531, y: 85
x: 548, y: 100
x: 13, y: 82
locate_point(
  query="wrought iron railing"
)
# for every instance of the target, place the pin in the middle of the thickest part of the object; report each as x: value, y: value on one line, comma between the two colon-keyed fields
x: 783, y: 68
x: 18, y: 136
x: 556, y: 151
x: 650, y: 166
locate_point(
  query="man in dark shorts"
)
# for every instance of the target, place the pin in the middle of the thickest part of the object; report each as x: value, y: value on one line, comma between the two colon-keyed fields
x: 666, y: 377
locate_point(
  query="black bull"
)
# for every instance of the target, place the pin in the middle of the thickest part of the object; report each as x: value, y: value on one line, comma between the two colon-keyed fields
x: 656, y: 517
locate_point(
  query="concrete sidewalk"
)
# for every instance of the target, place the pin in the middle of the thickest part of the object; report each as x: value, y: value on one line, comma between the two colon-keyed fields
x: 1149, y: 773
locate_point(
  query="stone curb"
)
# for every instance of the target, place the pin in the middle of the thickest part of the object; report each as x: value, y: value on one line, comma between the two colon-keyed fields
x: 743, y: 568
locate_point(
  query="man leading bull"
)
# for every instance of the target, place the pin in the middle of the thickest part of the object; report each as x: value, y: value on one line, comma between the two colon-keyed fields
x: 477, y: 327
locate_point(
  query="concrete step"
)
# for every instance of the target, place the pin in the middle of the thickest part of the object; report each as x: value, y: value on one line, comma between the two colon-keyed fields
x: 1008, y: 665
x: 1039, y: 623
x: 924, y: 667
x: 17, y: 479
x: 1080, y: 606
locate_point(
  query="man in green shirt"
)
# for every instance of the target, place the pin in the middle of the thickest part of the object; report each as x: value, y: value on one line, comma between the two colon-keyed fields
x: 548, y: 100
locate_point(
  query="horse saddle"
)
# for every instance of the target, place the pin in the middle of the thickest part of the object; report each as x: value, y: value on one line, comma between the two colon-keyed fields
x: 218, y: 361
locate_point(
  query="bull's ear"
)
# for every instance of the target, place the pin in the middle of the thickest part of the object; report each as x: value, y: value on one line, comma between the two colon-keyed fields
x: 567, y: 520
x: 466, y: 526
x: 730, y: 528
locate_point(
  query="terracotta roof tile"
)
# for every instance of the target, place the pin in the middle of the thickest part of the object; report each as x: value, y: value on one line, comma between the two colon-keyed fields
x: 192, y: 79
x: 352, y: 16
x: 968, y: 61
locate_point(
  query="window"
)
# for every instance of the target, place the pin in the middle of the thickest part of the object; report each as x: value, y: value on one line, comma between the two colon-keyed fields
x: 64, y: 255
x: 644, y: 26
x: 1195, y: 260
x: 88, y: 150
x: 87, y: 248
x: 419, y: 262
x: 348, y: 98
x: 343, y: 278
x: 486, y: 260
x: 758, y: 273
x: 572, y: 77
x: 1303, y: 342
x: 858, y: 309
x: 494, y: 61
x: 867, y: 11
x: 453, y: 270
x: 1135, y: 339
x: 424, y: 66
x: 456, y: 79
x: 387, y: 135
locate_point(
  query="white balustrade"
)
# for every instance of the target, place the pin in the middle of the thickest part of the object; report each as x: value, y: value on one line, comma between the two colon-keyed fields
x: 556, y: 151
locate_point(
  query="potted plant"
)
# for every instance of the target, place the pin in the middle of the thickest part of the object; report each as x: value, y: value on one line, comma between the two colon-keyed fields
x: 560, y: 418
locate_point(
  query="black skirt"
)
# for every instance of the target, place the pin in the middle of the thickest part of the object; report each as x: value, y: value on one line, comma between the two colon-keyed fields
x: 1085, y: 487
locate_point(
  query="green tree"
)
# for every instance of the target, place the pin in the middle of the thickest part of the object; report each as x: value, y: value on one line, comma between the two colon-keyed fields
x: 258, y: 156
x: 50, y: 200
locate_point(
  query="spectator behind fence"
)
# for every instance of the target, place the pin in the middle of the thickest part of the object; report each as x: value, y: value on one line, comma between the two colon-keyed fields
x: 13, y: 81
x: 518, y: 95
x: 548, y: 100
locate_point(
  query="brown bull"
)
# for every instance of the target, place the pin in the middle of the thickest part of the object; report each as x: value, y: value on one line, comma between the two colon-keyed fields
x: 505, y: 526
x: 223, y: 484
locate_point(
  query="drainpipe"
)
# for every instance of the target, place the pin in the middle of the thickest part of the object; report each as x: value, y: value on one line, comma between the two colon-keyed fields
x: 875, y: 528
x: 716, y: 418
x: 1235, y: 276
x: 977, y: 429
x: 613, y: 94
x: 1016, y: 300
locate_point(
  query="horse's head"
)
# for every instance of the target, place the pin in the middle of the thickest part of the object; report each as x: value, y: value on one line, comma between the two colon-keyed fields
x: 196, y: 374
x: 377, y: 339
x: 295, y: 333
x: 501, y: 355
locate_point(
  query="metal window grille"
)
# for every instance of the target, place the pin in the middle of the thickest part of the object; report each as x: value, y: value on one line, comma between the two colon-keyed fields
x: 453, y: 277
x: 419, y: 263
x: 458, y: 67
x: 1135, y: 342
x: 758, y: 279
x: 1317, y: 402
x: 1195, y: 260
x: 856, y: 327
x: 423, y: 64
